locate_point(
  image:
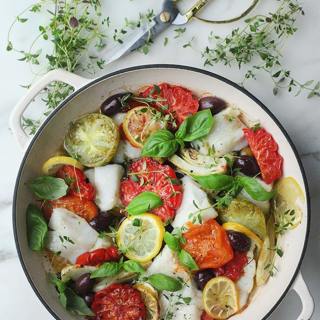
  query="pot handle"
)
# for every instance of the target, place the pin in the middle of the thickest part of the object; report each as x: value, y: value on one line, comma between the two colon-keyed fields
x: 55, y: 75
x: 303, y: 292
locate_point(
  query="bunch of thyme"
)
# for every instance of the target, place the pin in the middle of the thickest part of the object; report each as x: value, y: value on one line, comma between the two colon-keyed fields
x: 261, y: 40
x: 73, y: 28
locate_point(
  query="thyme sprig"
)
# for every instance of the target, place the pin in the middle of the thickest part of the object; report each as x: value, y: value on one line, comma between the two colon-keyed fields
x: 260, y: 41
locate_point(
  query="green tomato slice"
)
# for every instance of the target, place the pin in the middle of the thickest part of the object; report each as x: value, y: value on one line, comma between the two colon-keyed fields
x: 247, y: 214
x: 92, y: 139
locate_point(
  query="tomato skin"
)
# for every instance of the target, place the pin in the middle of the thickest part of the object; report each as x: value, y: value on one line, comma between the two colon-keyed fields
x: 119, y: 302
x: 77, y: 181
x: 205, y: 316
x: 265, y: 150
x: 234, y: 268
x: 180, y: 101
x: 98, y: 256
x: 82, y: 207
x: 156, y: 177
x: 208, y: 244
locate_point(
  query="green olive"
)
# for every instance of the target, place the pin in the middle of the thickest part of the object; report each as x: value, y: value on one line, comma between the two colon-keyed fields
x: 92, y: 139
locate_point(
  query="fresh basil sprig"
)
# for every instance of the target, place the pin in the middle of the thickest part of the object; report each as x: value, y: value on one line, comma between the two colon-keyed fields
x: 69, y: 299
x: 162, y: 282
x: 185, y: 259
x: 36, y: 228
x: 215, y: 182
x: 196, y: 126
x: 164, y: 143
x: 144, y: 202
x: 110, y: 269
x: 107, y: 269
x: 48, y: 188
x: 220, y: 182
x: 254, y: 188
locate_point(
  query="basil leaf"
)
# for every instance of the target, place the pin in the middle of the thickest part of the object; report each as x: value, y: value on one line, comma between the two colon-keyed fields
x: 107, y: 269
x: 160, y: 144
x: 216, y: 181
x: 48, y: 188
x: 36, y: 228
x: 254, y: 189
x: 171, y: 241
x: 133, y: 266
x: 69, y: 299
x: 196, y: 126
x: 163, y: 282
x: 186, y: 260
x: 76, y: 304
x: 144, y: 202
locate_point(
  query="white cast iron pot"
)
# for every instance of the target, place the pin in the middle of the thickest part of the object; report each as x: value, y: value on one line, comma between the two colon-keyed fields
x: 87, y: 97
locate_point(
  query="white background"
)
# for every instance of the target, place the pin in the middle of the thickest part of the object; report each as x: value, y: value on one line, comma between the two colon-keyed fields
x: 299, y: 116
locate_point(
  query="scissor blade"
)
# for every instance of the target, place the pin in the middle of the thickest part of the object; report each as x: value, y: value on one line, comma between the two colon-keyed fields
x: 132, y: 41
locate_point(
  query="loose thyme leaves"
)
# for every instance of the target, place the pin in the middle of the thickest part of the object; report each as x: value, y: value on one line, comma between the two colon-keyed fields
x: 261, y: 40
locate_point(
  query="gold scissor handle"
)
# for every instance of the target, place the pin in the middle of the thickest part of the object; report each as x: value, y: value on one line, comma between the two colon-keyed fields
x: 198, y: 6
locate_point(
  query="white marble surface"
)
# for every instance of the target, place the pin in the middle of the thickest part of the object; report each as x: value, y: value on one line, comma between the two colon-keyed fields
x: 298, y: 115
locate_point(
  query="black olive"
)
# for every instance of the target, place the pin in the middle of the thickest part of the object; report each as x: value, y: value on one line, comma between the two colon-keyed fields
x: 179, y: 175
x: 201, y: 277
x: 213, y: 103
x: 84, y: 284
x: 247, y: 165
x: 113, y: 105
x: 88, y: 298
x: 239, y: 241
x: 102, y: 221
x: 169, y: 228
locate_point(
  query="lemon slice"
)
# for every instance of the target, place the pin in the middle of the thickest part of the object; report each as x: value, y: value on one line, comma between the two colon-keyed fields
x: 287, y: 204
x: 52, y: 164
x: 240, y: 228
x: 140, y: 122
x: 267, y: 254
x: 140, y: 237
x: 150, y: 299
x: 220, y: 298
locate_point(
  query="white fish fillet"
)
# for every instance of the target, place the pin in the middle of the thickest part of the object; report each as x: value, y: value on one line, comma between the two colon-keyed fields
x: 226, y: 134
x: 263, y: 205
x: 193, y: 197
x: 246, y: 282
x: 71, y: 235
x: 106, y: 180
x: 166, y: 261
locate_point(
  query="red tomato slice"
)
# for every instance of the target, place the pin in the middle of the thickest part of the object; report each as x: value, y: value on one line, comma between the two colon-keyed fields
x: 265, y: 150
x: 82, y: 207
x: 119, y: 302
x: 179, y: 101
x: 234, y: 268
x: 147, y: 174
x: 77, y: 182
x: 208, y: 244
x: 98, y: 256
x: 205, y: 316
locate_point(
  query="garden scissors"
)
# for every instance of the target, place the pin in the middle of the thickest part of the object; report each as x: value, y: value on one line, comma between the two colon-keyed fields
x: 169, y: 15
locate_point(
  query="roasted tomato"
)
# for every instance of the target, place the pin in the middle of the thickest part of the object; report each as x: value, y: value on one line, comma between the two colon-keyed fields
x: 178, y: 101
x: 98, y: 256
x: 234, y: 268
x: 119, y: 302
x: 265, y: 150
x: 84, y: 208
x: 147, y: 174
x: 208, y: 244
x: 77, y: 182
x: 205, y: 316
